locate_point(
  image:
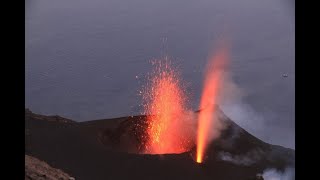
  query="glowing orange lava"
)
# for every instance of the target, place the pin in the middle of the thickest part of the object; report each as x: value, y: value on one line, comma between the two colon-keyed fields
x: 208, y: 99
x: 165, y: 103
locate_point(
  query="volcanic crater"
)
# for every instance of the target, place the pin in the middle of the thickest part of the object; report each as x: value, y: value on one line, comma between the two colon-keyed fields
x: 114, y: 149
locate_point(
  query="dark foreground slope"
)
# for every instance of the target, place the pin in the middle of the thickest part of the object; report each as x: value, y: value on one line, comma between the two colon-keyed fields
x: 99, y: 149
x: 37, y: 169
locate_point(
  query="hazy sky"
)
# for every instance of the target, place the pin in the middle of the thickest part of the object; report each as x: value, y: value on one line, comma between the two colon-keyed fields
x: 83, y: 56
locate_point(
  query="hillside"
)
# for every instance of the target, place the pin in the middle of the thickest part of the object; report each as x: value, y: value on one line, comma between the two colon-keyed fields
x: 109, y: 149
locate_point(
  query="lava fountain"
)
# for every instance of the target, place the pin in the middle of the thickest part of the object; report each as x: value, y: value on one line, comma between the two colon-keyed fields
x: 211, y: 86
x: 165, y: 103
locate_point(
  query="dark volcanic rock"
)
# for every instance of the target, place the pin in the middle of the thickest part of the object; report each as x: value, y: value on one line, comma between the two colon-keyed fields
x: 55, y: 118
x: 128, y: 136
x: 39, y: 170
x: 107, y: 149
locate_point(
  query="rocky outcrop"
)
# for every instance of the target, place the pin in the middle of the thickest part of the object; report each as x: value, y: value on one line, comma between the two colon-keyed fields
x: 36, y: 170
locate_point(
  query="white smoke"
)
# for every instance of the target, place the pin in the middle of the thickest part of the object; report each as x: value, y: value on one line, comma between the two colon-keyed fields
x: 247, y: 159
x: 216, y: 126
x: 232, y: 104
x: 273, y: 174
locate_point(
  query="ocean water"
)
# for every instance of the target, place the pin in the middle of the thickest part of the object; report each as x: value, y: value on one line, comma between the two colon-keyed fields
x: 87, y: 60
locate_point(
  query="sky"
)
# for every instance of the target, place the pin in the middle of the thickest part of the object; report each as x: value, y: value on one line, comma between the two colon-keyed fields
x: 83, y: 57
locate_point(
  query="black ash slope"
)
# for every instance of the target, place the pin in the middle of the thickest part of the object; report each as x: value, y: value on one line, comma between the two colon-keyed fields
x: 106, y: 149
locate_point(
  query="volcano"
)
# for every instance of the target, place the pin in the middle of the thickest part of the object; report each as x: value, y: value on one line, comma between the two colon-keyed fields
x: 112, y: 149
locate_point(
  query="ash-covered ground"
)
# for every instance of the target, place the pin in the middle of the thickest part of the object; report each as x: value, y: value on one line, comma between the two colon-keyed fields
x: 113, y: 149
